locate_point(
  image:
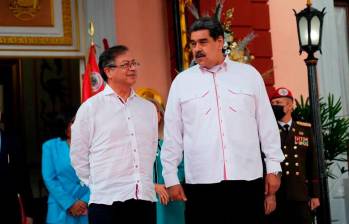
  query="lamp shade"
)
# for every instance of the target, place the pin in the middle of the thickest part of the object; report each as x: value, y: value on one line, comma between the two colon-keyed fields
x: 309, y: 27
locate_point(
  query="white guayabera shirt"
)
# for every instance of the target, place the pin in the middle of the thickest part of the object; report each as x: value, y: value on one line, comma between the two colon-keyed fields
x: 113, y: 147
x: 222, y: 119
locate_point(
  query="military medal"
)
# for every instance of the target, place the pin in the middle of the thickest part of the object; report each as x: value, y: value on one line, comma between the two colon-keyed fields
x: 301, y: 140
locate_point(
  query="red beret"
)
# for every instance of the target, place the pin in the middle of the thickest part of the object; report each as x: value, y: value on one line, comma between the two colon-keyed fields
x: 281, y: 92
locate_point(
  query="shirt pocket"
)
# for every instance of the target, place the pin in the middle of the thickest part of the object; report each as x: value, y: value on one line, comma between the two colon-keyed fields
x: 241, y: 101
x: 196, y: 103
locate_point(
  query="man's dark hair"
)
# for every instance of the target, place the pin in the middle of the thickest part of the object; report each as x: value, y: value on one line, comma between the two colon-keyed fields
x: 108, y: 56
x: 208, y: 23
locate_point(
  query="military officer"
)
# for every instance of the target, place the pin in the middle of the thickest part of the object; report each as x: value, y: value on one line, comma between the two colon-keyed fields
x: 299, y: 191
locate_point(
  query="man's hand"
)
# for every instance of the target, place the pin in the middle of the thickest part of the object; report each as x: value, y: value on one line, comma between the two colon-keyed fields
x: 177, y: 193
x: 78, y: 208
x: 160, y: 189
x: 28, y: 220
x: 269, y: 204
x: 314, y: 203
x: 272, y: 184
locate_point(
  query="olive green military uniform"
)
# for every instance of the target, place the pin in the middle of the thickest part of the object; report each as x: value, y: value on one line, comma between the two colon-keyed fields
x: 299, y: 182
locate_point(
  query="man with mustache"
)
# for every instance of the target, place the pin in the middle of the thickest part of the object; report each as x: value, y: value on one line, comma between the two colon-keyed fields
x: 113, y: 145
x: 299, y: 192
x: 219, y: 117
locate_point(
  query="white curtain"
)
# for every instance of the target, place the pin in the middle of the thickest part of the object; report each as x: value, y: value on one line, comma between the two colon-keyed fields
x: 103, y: 15
x: 333, y: 63
x: 343, y: 66
x: 328, y: 70
x: 343, y: 60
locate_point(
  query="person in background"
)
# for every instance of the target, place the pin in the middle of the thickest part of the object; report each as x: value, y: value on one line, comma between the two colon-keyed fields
x: 15, y: 190
x: 114, y: 139
x: 167, y: 212
x: 218, y: 113
x: 299, y: 192
x: 68, y: 197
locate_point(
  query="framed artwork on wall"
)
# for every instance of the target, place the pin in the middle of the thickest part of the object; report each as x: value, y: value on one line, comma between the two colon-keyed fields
x: 41, y: 27
x: 36, y: 22
x: 27, y: 13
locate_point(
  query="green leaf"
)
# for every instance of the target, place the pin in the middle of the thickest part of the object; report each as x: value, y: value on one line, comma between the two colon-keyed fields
x: 335, y: 128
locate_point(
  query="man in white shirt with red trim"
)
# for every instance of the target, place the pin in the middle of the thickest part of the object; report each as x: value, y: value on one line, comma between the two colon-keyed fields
x: 113, y: 146
x: 218, y: 113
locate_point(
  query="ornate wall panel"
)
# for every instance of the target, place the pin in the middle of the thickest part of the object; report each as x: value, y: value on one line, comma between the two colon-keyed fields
x: 31, y: 26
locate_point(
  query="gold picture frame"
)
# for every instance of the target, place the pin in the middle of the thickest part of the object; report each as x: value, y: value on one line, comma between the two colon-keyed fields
x: 21, y: 13
x: 65, y: 39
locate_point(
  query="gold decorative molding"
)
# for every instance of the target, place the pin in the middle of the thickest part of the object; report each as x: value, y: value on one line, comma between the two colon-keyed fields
x: 184, y: 39
x: 66, y: 39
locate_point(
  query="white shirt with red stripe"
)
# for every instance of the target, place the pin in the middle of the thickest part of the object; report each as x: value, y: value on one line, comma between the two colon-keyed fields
x: 113, y: 147
x: 222, y: 119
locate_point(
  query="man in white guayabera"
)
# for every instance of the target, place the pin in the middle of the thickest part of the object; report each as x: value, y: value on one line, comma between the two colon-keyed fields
x: 113, y: 146
x: 218, y: 113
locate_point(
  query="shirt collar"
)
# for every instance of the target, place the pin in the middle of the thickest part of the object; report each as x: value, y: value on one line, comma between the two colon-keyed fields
x: 281, y: 123
x: 216, y: 68
x: 109, y: 91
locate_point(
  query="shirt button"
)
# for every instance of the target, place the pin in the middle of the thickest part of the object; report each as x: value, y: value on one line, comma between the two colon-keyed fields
x: 135, y: 150
x: 132, y: 134
x: 136, y: 166
x: 128, y: 118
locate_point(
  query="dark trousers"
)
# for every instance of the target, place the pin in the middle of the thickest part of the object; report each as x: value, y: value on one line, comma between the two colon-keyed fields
x: 130, y: 211
x: 290, y: 212
x: 236, y: 202
x: 10, y: 213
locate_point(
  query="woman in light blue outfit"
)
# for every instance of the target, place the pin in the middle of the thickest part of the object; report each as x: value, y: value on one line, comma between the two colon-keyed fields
x: 167, y: 212
x: 68, y: 197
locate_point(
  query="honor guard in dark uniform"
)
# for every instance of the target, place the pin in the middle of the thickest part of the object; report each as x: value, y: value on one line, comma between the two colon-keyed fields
x: 299, y: 191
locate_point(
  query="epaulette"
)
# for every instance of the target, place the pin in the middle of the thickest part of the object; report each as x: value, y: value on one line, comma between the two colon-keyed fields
x: 304, y: 124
